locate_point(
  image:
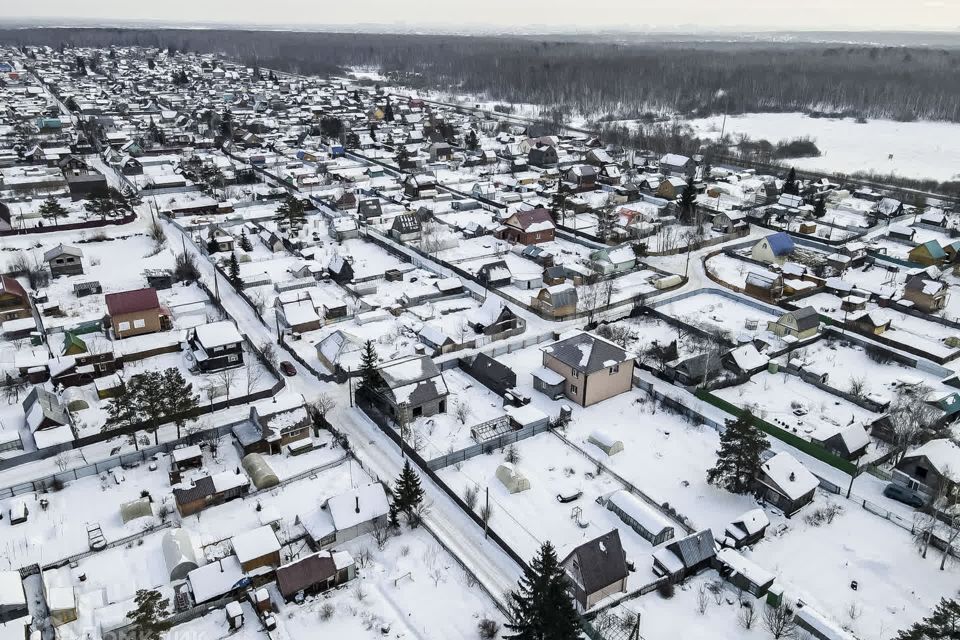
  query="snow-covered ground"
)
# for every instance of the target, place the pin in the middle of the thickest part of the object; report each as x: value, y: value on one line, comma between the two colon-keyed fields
x: 910, y: 149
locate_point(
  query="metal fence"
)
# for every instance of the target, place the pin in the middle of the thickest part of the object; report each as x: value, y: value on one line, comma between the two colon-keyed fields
x: 487, y: 446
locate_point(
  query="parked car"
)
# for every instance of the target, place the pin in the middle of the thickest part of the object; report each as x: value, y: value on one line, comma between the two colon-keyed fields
x: 902, y: 494
x: 288, y: 369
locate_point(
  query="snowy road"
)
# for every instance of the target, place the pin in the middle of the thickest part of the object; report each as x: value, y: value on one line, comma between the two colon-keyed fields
x: 494, y: 569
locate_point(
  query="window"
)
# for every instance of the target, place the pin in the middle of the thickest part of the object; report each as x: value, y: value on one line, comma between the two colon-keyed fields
x: 576, y: 374
x: 573, y: 389
x: 615, y: 369
x: 232, y: 357
x: 139, y: 323
x: 123, y: 326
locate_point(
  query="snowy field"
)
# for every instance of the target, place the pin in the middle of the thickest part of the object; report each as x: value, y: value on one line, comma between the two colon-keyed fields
x: 717, y: 313
x: 918, y: 149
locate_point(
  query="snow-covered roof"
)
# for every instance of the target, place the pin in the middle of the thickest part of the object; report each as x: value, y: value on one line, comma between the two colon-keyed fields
x: 11, y: 589
x: 789, y: 476
x: 640, y: 512
x: 258, y: 543
x: 357, y: 506
x: 747, y: 568
x: 943, y: 454
x: 215, y: 579
x: 748, y: 358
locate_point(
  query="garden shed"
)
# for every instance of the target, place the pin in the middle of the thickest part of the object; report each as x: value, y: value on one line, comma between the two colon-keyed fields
x: 259, y: 470
x: 605, y: 442
x: 178, y: 553
x: 512, y: 479
x: 140, y: 508
x: 644, y: 519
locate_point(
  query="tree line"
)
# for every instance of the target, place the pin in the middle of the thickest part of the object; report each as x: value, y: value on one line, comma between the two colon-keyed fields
x: 621, y: 80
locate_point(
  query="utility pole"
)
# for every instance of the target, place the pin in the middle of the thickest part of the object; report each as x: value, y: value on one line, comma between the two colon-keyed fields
x: 486, y: 519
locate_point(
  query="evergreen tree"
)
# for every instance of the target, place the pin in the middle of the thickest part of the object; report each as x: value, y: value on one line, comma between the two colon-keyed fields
x: 407, y: 493
x: 942, y: 624
x: 369, y: 378
x: 122, y: 410
x: 790, y: 187
x: 100, y: 203
x: 147, y: 390
x: 245, y: 243
x: 179, y: 397
x: 291, y: 210
x: 51, y: 208
x: 226, y: 124
x: 234, y: 270
x: 472, y: 141
x: 388, y: 111
x: 688, y: 202
x: 738, y: 458
x: 541, y: 608
x: 81, y: 66
x: 151, y: 64
x: 150, y: 616
x: 819, y: 208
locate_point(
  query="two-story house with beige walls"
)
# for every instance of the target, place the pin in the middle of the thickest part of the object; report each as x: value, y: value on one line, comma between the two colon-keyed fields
x: 592, y: 369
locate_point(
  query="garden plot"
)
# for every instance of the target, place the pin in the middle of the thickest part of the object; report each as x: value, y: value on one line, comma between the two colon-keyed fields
x: 369, y: 260
x: 462, y: 219
x: 531, y: 517
x: 471, y: 404
x: 731, y: 270
x: 642, y: 332
x: 845, y: 361
x: 895, y: 586
x: 473, y: 248
x: 633, y: 284
x: 412, y: 587
x: 788, y: 402
x: 393, y: 337
x: 714, y: 312
x: 876, y: 278
x: 60, y: 530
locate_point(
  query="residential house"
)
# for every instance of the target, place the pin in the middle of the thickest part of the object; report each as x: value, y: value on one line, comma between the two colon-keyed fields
x: 686, y: 556
x: 219, y: 240
x: 764, y: 285
x: 134, y: 313
x: 493, y: 374
x: 849, y: 443
x: 348, y: 515
x: 494, y: 318
x: 729, y: 221
x: 873, y: 322
x: 208, y: 491
x: 257, y: 549
x: 746, y: 530
x: 800, y: 324
x: 405, y: 228
x: 273, y: 424
x: 926, y: 294
x: 529, y: 227
x: 315, y: 574
x: 931, y: 468
x: 341, y: 269
x: 593, y: 368
x: 671, y: 188
x: 556, y: 301
x: 14, y: 301
x: 583, y: 176
x: 494, y: 274
x: 595, y: 570
x: 217, y: 346
x: 412, y: 387
x: 677, y: 165
x: 418, y: 187
x: 369, y: 208
x: 543, y: 155
x: 928, y: 253
x: 889, y: 208
x: 614, y: 259
x: 745, y: 360
x: 785, y: 483
x: 773, y: 249
x: 64, y: 260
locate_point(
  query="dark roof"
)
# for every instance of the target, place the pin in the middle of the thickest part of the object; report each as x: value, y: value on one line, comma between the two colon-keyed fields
x: 780, y: 244
x: 132, y: 301
x: 533, y: 216
x: 807, y: 318
x: 695, y: 548
x: 11, y: 286
x: 587, y: 353
x: 406, y: 223
x: 202, y: 487
x: 493, y: 369
x: 305, y: 573
x: 601, y: 561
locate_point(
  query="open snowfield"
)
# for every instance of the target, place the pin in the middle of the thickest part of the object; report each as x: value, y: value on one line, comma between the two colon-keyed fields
x: 919, y: 149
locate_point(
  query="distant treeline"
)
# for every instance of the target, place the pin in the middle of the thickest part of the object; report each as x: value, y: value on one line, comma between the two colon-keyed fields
x: 617, y: 80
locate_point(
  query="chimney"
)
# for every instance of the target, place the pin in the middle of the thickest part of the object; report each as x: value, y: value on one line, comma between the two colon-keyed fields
x: 358, y: 504
x: 793, y: 476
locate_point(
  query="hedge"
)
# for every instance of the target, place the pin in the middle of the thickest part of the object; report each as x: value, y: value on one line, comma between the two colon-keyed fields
x: 791, y: 439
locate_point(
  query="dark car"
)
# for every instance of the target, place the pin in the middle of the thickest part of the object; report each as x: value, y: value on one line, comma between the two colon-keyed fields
x: 288, y: 369
x: 904, y: 495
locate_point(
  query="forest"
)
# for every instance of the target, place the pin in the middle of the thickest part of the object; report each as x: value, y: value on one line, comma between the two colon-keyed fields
x: 606, y: 81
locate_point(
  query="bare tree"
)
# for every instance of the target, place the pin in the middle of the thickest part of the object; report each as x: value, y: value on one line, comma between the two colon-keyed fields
x: 324, y: 404
x: 254, y: 373
x: 461, y: 410
x: 911, y: 417
x: 269, y: 351
x: 226, y: 377
x: 703, y: 600
x: 470, y: 496
x: 380, y: 532
x: 747, y: 616
x: 779, y: 620
x: 858, y: 385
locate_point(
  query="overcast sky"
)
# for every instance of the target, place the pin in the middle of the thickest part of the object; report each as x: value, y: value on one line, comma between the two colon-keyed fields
x: 522, y: 15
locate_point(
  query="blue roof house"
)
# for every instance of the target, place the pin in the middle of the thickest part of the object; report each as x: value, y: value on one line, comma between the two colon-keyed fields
x: 774, y: 249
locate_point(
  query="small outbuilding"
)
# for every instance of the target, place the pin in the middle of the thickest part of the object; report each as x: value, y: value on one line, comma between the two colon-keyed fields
x: 643, y: 519
x: 605, y: 442
x: 140, y: 508
x: 512, y: 479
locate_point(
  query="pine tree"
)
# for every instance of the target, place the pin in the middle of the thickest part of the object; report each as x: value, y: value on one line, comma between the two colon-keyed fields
x: 541, y: 608
x: 245, y: 243
x: 51, y: 208
x: 234, y: 270
x: 819, y: 208
x: 472, y: 141
x: 149, y: 398
x: 121, y: 411
x: 149, y: 617
x: 408, y: 494
x: 388, y: 111
x: 178, y: 396
x: 942, y: 624
x: 738, y: 458
x: 688, y: 201
x: 368, y: 367
x: 291, y: 210
x: 790, y: 187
